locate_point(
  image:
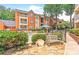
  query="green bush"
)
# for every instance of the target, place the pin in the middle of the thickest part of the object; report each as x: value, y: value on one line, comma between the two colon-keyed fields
x: 74, y: 31
x: 63, y: 25
x: 10, y: 39
x: 36, y: 29
x: 22, y: 37
x: 38, y: 36
x: 59, y: 34
x: 33, y: 29
x: 41, y: 31
x: 2, y: 49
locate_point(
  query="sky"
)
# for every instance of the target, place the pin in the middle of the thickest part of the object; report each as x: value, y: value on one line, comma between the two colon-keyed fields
x: 37, y: 8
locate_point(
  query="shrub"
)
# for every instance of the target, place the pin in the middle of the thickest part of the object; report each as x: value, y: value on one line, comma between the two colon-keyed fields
x: 36, y: 29
x: 63, y: 25
x: 1, y: 49
x: 41, y: 31
x: 59, y: 34
x: 74, y: 31
x: 33, y: 29
x: 10, y: 39
x: 38, y: 36
x: 45, y: 30
x: 22, y: 37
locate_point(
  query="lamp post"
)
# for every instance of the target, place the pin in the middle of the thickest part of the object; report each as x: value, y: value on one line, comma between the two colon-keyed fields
x: 30, y: 39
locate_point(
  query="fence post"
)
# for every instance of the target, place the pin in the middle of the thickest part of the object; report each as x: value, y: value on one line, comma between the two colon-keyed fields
x: 65, y: 35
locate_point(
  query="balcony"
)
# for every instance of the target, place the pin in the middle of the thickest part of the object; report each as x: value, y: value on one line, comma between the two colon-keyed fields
x: 23, y: 22
x: 23, y: 27
x: 23, y: 16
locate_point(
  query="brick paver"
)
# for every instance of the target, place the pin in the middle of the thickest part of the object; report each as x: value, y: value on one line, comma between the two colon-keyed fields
x: 71, y: 47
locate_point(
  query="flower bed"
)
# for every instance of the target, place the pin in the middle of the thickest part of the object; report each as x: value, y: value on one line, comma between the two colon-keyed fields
x: 74, y: 33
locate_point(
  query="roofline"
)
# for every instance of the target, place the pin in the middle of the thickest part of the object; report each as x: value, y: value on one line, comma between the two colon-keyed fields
x: 21, y: 11
x: 7, y: 20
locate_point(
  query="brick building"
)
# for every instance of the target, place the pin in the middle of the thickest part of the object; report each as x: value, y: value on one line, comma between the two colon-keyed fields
x: 76, y: 16
x: 26, y: 20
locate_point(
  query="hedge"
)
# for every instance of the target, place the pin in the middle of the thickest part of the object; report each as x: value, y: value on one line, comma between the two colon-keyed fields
x: 38, y: 36
x: 10, y: 39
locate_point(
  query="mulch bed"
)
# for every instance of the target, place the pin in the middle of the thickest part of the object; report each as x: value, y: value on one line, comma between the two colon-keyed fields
x: 76, y: 38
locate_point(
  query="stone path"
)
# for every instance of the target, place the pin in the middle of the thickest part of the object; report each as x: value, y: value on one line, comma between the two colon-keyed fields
x: 71, y: 47
x: 55, y: 49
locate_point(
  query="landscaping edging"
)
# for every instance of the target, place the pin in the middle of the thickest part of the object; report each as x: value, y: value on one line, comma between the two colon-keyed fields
x: 76, y: 38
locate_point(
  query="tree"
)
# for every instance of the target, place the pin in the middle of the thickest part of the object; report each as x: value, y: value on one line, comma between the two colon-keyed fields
x: 53, y: 10
x: 69, y: 9
x: 63, y: 25
x: 6, y: 13
x: 2, y: 8
x: 9, y: 14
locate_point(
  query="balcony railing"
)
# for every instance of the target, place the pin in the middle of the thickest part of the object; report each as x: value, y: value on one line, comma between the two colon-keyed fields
x: 23, y: 15
x: 22, y: 28
x: 23, y: 22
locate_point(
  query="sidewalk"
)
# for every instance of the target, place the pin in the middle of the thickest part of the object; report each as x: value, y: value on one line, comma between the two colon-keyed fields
x: 71, y: 48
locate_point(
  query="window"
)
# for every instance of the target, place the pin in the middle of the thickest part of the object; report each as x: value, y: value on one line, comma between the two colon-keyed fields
x: 42, y: 19
x: 23, y: 15
x: 23, y: 26
x: 23, y: 21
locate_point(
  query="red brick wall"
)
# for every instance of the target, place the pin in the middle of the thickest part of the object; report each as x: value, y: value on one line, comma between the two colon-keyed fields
x: 11, y: 28
x: 2, y: 26
x: 45, y: 21
x: 30, y: 19
x: 17, y: 19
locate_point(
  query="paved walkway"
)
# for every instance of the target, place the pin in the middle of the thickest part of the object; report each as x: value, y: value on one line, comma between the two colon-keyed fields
x: 71, y: 48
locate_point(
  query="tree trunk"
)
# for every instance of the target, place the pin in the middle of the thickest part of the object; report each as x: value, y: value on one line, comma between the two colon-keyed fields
x: 70, y: 21
x: 56, y: 21
x: 51, y: 28
x: 73, y: 23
